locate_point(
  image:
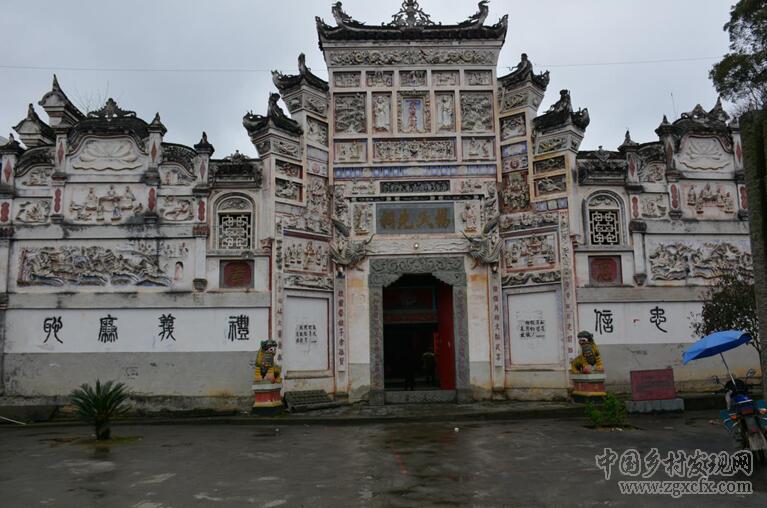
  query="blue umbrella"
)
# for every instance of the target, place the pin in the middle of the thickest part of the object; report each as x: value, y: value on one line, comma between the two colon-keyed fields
x: 715, y: 344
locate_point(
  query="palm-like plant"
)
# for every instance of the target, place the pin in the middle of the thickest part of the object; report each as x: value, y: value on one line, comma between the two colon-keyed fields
x: 98, y: 405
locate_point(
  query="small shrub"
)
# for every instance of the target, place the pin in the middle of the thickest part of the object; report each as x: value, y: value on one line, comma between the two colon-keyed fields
x: 100, y: 404
x: 611, y: 413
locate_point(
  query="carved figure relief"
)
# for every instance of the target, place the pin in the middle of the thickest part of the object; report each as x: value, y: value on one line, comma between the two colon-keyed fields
x: 414, y: 112
x: 508, y: 100
x: 513, y: 126
x: 478, y: 148
x: 710, y: 198
x: 380, y: 78
x: 287, y: 169
x: 528, y: 221
x: 305, y: 255
x: 103, y: 154
x: 317, y: 197
x: 680, y: 261
x: 351, y: 151
x: 654, y: 207
x: 286, y: 189
x: 38, y: 177
x: 445, y: 112
x: 346, y: 79
x: 89, y: 266
x: 515, y: 192
x: 412, y: 78
x: 316, y: 104
x: 478, y: 78
x: 414, y: 149
x: 175, y: 175
x: 445, y: 78
x: 703, y: 154
x: 550, y: 185
x: 350, y: 113
x: 363, y: 216
x: 382, y: 113
x: 108, y: 206
x: 362, y: 187
x: 468, y: 217
x: 476, y: 112
x: 552, y: 144
x: 414, y: 186
x: 176, y: 209
x: 34, y: 211
x: 287, y: 148
x: 531, y: 252
x: 317, y: 131
x: 652, y: 172
x: 340, y: 205
x: 549, y: 165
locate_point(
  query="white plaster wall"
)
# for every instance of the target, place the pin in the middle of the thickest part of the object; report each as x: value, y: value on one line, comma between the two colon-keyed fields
x: 138, y: 330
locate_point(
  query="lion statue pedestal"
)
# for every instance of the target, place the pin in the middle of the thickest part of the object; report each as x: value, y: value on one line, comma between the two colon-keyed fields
x: 267, y: 381
x: 587, y: 371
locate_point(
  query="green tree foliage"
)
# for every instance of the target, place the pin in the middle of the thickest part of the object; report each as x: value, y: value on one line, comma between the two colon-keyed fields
x: 730, y: 304
x: 100, y: 404
x: 741, y: 76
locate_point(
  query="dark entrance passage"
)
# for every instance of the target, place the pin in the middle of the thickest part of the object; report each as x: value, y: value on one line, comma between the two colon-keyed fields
x: 419, y: 350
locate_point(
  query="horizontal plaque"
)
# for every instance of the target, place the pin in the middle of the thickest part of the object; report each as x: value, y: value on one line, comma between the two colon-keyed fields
x: 403, y: 218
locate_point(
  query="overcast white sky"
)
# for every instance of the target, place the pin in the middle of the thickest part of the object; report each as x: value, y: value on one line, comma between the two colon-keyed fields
x: 559, y: 35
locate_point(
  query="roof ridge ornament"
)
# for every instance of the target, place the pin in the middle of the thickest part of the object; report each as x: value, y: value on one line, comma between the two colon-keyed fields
x: 111, y: 110
x: 411, y: 15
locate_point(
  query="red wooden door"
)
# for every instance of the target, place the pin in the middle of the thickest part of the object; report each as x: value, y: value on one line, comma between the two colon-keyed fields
x: 445, y: 347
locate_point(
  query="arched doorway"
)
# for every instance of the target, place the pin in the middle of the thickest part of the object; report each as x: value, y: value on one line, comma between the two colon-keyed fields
x: 450, y: 272
x: 419, y: 349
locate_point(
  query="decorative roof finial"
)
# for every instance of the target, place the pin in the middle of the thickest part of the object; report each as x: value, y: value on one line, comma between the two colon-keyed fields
x: 411, y: 15
x: 302, y: 68
x: 55, y: 85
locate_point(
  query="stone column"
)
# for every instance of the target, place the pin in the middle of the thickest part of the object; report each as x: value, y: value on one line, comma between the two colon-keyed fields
x: 753, y: 127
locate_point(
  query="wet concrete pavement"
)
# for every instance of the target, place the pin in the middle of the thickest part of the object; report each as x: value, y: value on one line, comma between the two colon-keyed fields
x: 537, y: 462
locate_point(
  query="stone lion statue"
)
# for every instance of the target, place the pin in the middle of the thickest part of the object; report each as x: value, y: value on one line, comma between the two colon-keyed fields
x: 589, y: 361
x: 267, y: 371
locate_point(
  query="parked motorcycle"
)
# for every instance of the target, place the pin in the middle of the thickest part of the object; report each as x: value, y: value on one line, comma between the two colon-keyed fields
x: 745, y: 418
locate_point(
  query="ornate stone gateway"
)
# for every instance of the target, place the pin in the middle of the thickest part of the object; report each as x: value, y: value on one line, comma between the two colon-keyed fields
x: 386, y: 271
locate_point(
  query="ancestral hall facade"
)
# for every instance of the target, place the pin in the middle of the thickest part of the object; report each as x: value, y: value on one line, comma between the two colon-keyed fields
x: 414, y: 228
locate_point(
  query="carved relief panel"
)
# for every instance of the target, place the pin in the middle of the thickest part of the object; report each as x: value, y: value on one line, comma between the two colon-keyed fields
x: 513, y: 126
x: 476, y: 112
x: 177, y: 208
x: 32, y: 211
x: 351, y: 151
x: 412, y: 78
x: 550, y: 185
x: 445, y: 112
x: 305, y: 255
x: 382, y: 113
x: 515, y: 192
x: 682, y: 261
x: 175, y: 175
x: 478, y: 148
x: 550, y: 165
x: 414, y: 112
x: 350, y: 117
x: 445, y: 78
x: 533, y: 252
x: 514, y: 156
x: 346, y: 79
x: 104, y: 204
x: 317, y: 131
x: 710, y: 200
x: 654, y: 206
x: 703, y: 154
x: 478, y: 78
x: 111, y: 154
x: 414, y: 149
x: 379, y: 78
